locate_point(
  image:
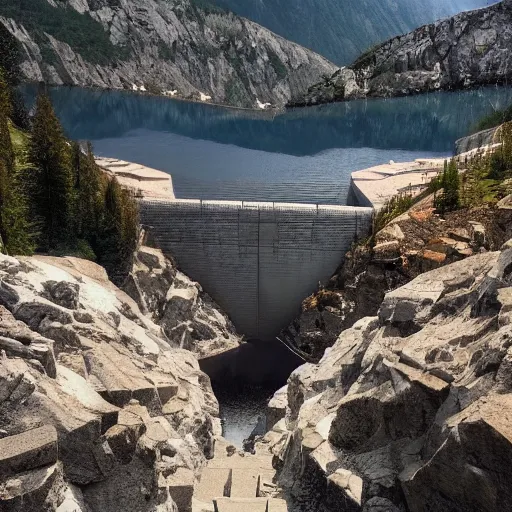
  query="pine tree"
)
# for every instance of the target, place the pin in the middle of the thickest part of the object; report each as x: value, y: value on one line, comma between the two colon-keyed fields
x: 119, y: 231
x: 50, y: 155
x: 452, y: 186
x: 440, y: 200
x: 88, y: 184
x: 449, y: 199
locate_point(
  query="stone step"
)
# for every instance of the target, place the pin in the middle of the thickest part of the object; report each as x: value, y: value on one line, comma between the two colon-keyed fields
x: 261, y: 462
x: 181, y: 488
x: 215, y: 482
x: 244, y: 483
x: 223, y: 449
x: 240, y: 504
x: 31, y: 449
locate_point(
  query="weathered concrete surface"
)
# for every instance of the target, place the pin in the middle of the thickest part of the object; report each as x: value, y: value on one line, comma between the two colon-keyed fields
x: 409, y: 409
x: 257, y: 260
x: 373, y: 187
x: 140, y: 179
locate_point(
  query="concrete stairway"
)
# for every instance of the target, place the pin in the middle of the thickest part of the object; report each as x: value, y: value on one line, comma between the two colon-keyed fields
x: 236, y: 484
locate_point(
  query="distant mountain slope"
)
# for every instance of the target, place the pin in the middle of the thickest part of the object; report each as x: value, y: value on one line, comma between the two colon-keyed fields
x: 342, y: 29
x: 470, y: 49
x: 185, y: 46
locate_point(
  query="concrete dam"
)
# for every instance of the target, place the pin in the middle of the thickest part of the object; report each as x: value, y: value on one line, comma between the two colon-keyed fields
x: 257, y: 260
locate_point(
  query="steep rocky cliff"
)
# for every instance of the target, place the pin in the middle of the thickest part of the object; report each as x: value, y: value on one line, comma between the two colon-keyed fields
x: 342, y: 30
x: 189, y: 317
x: 467, y: 50
x: 183, y: 47
x: 411, y: 408
x: 415, y: 242
x: 100, y: 410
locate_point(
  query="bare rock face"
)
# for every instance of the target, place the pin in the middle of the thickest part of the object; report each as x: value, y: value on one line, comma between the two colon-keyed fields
x: 467, y: 50
x: 98, y: 412
x: 176, y: 48
x: 410, y: 409
x: 189, y: 318
x: 413, y: 243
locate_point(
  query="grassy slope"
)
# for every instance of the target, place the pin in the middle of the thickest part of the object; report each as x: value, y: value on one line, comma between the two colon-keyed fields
x: 19, y: 141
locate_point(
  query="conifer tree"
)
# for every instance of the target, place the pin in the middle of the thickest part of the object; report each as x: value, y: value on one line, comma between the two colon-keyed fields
x: 119, y: 230
x: 50, y: 155
x: 452, y: 186
x: 449, y: 199
x: 88, y: 182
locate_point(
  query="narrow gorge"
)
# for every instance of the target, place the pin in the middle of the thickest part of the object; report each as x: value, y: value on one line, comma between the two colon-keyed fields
x: 255, y: 309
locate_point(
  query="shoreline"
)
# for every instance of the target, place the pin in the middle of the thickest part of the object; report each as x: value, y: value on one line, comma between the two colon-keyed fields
x: 273, y: 111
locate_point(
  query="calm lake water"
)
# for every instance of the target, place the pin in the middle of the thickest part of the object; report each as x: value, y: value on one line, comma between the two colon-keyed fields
x: 303, y: 155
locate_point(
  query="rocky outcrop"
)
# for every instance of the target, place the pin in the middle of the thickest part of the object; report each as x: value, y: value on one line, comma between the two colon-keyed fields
x: 189, y: 318
x: 467, y: 50
x: 175, y: 48
x: 411, y: 244
x: 98, y: 411
x: 410, y: 409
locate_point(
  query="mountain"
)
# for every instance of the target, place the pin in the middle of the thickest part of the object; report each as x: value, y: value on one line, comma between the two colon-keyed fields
x: 342, y: 29
x: 467, y: 50
x: 185, y: 46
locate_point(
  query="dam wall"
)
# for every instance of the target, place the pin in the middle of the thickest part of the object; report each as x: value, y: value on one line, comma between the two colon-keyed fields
x: 257, y: 260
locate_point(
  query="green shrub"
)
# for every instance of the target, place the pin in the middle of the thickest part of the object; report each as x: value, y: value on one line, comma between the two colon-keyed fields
x: 277, y: 64
x: 393, y: 208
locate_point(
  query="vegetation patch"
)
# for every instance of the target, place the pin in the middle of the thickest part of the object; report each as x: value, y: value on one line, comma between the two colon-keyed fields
x: 277, y: 64
x: 208, y: 7
x: 84, y: 35
x: 54, y: 198
x: 492, y: 120
x: 393, y: 208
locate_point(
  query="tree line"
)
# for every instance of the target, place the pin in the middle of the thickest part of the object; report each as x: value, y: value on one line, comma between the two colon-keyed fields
x: 485, y: 178
x: 53, y: 197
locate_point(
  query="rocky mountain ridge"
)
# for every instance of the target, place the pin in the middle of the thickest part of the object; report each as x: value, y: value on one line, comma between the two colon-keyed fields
x: 178, y: 48
x: 100, y: 407
x: 342, y: 30
x: 467, y: 50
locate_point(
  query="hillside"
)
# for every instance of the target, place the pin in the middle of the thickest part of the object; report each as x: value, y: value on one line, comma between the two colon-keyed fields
x: 182, y: 46
x: 342, y: 30
x: 467, y: 50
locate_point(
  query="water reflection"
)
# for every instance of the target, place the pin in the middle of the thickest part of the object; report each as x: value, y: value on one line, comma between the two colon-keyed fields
x: 429, y: 122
